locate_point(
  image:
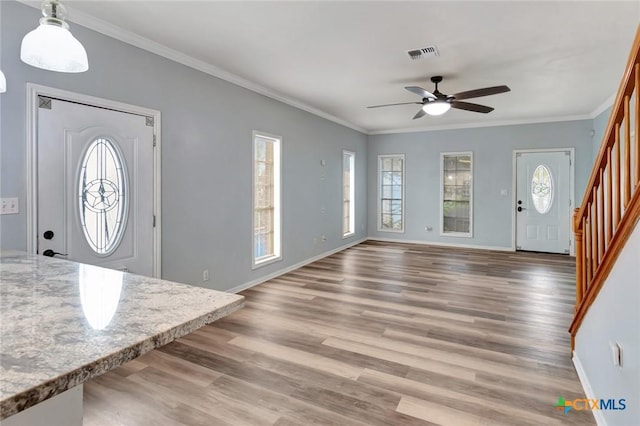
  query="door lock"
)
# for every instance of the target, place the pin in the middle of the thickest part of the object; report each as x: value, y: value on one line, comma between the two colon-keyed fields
x: 51, y: 253
x: 521, y: 208
x: 48, y: 235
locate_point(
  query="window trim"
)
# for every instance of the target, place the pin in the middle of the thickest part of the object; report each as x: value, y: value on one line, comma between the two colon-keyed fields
x: 441, y: 200
x: 379, y: 198
x: 277, y: 195
x: 352, y: 194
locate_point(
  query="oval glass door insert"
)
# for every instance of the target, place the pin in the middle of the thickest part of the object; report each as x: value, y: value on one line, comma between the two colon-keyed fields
x: 542, y: 189
x: 102, y: 196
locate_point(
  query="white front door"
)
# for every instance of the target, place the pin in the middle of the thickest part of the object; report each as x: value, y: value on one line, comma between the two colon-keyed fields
x: 543, y: 201
x: 95, y: 186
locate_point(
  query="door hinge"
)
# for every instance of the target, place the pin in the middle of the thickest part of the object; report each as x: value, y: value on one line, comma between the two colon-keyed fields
x: 154, y: 220
x: 44, y: 102
x: 150, y: 121
x: 154, y: 140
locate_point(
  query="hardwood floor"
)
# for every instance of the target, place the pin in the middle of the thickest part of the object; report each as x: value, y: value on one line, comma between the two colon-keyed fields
x: 379, y: 334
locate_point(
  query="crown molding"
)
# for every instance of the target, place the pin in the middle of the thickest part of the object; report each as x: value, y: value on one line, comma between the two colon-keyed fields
x: 113, y: 31
x: 95, y: 24
x: 479, y: 125
x: 603, y: 107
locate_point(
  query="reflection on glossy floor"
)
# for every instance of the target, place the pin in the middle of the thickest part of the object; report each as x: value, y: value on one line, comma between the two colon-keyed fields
x: 380, y: 334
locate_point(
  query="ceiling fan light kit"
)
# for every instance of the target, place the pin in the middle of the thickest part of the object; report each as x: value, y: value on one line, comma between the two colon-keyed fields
x: 435, y: 107
x: 438, y: 103
x: 51, y: 46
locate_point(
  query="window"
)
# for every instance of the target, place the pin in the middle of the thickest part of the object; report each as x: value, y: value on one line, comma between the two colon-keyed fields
x: 391, y: 195
x: 542, y: 189
x: 457, y: 193
x: 266, y: 198
x: 102, y: 196
x: 348, y: 193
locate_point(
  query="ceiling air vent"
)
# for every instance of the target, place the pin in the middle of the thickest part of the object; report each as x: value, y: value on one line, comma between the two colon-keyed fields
x: 424, y: 53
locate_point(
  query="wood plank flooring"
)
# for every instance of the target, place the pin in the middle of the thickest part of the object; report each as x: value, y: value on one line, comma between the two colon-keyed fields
x: 379, y: 334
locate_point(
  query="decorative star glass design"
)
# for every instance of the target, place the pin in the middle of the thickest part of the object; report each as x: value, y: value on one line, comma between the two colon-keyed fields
x: 542, y: 189
x: 102, y: 196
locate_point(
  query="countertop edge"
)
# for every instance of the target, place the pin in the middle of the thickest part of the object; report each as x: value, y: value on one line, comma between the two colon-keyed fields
x: 46, y: 390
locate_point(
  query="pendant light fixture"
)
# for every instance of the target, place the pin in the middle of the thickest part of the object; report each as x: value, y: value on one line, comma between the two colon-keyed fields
x: 51, y: 46
x: 3, y: 83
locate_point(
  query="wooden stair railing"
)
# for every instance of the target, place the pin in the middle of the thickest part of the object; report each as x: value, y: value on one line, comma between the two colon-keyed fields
x: 611, y: 205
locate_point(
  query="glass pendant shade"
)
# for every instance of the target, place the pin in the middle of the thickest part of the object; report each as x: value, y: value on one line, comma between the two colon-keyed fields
x: 51, y: 46
x: 3, y: 83
x: 436, y: 107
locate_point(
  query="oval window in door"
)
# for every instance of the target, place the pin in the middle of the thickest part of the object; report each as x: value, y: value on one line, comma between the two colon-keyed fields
x: 542, y: 189
x: 102, y: 196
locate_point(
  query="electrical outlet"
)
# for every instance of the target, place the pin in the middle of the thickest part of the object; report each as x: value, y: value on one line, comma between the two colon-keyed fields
x: 9, y: 206
x: 323, y: 238
x: 428, y: 228
x: 205, y: 275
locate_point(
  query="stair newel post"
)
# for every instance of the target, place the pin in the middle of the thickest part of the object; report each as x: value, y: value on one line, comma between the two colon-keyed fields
x: 577, y: 229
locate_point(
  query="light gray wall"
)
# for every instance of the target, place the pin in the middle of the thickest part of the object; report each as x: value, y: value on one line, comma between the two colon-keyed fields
x: 207, y: 127
x: 614, y: 317
x: 492, y: 156
x: 599, y: 127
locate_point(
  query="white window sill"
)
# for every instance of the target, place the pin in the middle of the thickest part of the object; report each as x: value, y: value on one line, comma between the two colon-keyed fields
x: 265, y: 261
x: 395, y: 231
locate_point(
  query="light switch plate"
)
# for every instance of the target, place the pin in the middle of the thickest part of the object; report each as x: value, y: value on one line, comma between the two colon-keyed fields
x: 9, y: 205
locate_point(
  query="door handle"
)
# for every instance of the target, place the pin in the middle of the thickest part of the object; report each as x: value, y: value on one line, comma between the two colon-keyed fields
x: 51, y: 253
x: 521, y: 208
x: 48, y: 235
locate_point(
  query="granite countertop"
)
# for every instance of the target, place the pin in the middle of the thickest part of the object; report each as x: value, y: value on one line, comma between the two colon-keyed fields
x: 62, y: 323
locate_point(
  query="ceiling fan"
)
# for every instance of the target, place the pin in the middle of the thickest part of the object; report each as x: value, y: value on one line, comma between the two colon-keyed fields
x: 437, y: 103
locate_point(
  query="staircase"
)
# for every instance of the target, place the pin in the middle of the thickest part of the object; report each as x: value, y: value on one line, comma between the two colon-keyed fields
x: 611, y: 205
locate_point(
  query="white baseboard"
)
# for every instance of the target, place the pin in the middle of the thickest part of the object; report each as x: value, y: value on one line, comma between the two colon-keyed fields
x: 588, y: 390
x: 283, y: 271
x: 438, y: 243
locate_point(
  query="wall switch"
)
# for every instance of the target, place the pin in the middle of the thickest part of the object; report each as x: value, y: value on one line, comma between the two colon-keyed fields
x: 205, y: 275
x: 616, y: 353
x: 323, y: 238
x: 9, y: 206
x: 504, y: 192
x: 428, y: 228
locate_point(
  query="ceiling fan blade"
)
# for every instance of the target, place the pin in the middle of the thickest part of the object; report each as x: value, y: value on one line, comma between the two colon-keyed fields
x: 420, y: 92
x: 468, y: 106
x: 481, y: 92
x: 401, y: 103
x: 420, y: 113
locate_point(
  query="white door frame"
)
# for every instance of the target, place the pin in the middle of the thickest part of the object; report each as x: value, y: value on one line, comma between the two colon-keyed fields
x: 572, y: 153
x: 35, y: 90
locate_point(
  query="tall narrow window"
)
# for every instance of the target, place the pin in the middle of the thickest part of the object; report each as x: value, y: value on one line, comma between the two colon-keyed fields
x: 348, y: 193
x: 457, y: 194
x: 391, y: 195
x: 266, y: 198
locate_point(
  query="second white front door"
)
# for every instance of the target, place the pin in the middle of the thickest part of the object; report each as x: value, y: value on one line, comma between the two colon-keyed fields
x: 543, y: 201
x: 96, y: 186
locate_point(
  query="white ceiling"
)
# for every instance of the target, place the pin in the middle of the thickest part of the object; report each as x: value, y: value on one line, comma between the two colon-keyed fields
x: 560, y: 59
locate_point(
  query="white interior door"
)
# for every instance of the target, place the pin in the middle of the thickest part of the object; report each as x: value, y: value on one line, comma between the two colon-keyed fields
x: 95, y: 186
x: 543, y: 201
